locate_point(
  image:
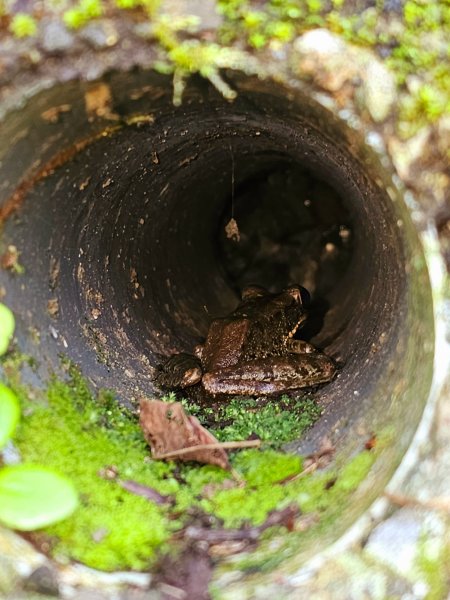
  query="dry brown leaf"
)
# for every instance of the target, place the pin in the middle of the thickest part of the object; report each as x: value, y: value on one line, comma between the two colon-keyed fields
x: 168, y: 429
x: 232, y: 230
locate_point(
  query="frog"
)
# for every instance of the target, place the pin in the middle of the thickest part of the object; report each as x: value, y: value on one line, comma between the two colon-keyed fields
x: 252, y: 351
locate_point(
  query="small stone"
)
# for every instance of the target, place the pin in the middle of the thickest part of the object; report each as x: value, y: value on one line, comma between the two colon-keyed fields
x: 405, y: 154
x: 101, y: 34
x: 395, y: 541
x: 325, y: 58
x: 55, y: 37
x: 205, y: 10
x: 379, y: 90
x: 43, y: 580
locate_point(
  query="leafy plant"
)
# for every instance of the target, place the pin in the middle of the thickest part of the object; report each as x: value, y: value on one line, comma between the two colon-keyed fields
x: 31, y: 496
x: 23, y: 25
x: 83, y: 12
x: 7, y: 324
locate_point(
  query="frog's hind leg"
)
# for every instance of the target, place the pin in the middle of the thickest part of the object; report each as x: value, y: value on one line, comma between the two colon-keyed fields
x: 272, y: 375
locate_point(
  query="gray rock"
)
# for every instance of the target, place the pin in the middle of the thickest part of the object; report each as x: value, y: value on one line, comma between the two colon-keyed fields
x: 379, y: 90
x: 324, y: 57
x: 55, y: 38
x: 332, y: 63
x: 395, y: 541
x: 100, y: 34
x: 205, y: 10
x: 43, y: 580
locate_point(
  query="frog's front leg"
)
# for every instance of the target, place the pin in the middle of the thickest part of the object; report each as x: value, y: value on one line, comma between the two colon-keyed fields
x: 179, y: 371
x: 271, y: 375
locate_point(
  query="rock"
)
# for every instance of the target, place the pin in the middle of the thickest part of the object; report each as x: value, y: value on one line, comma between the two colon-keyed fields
x: 332, y: 63
x: 100, y: 34
x: 205, y: 10
x: 379, y: 90
x: 18, y: 559
x: 324, y: 57
x: 43, y: 580
x: 55, y: 38
x: 394, y: 542
x: 404, y: 154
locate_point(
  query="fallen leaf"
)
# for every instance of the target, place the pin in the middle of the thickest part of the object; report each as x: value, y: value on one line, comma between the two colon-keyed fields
x: 168, y: 429
x: 232, y: 230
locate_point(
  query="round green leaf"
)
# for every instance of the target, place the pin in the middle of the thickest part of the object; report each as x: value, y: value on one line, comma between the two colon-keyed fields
x: 32, y: 497
x: 9, y: 413
x: 7, y: 324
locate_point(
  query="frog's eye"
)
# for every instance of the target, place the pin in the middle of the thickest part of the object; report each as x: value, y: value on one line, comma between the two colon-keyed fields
x: 305, y: 296
x: 253, y: 291
x: 300, y: 294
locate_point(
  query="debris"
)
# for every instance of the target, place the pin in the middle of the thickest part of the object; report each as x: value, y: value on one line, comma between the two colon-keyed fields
x: 145, y: 491
x: 371, y: 442
x: 53, y: 114
x: 84, y: 183
x: 10, y: 260
x: 232, y: 230
x: 321, y: 458
x: 108, y: 472
x: 284, y: 517
x: 53, y: 307
x: 98, y: 102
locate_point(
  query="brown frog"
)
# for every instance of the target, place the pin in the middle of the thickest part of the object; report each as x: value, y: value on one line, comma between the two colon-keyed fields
x: 252, y: 351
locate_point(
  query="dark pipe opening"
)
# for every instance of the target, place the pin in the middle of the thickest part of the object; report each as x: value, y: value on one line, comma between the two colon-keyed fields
x: 120, y: 221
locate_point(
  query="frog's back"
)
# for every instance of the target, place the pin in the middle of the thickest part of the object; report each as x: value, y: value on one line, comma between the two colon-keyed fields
x: 225, y: 343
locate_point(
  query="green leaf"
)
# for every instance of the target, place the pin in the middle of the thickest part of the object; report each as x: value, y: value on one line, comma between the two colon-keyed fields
x: 7, y: 324
x: 32, y: 497
x: 9, y: 413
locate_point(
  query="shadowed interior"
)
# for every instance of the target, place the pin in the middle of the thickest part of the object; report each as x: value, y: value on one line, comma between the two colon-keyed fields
x: 121, y: 230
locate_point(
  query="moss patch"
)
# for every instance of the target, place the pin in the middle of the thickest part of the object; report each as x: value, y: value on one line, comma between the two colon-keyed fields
x: 82, y: 437
x: 273, y: 421
x: 433, y: 564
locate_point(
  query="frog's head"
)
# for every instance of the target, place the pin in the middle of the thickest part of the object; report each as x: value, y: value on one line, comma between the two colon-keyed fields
x: 284, y: 311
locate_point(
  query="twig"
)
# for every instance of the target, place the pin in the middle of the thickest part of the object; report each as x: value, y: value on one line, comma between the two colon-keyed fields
x: 283, y: 517
x: 440, y: 503
x: 223, y: 445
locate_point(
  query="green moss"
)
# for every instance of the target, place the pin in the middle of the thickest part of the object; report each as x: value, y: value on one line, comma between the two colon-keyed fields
x: 23, y: 25
x: 274, y: 421
x: 433, y: 564
x: 408, y: 44
x: 323, y: 494
x: 82, y: 13
x: 81, y: 436
x: 252, y: 503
